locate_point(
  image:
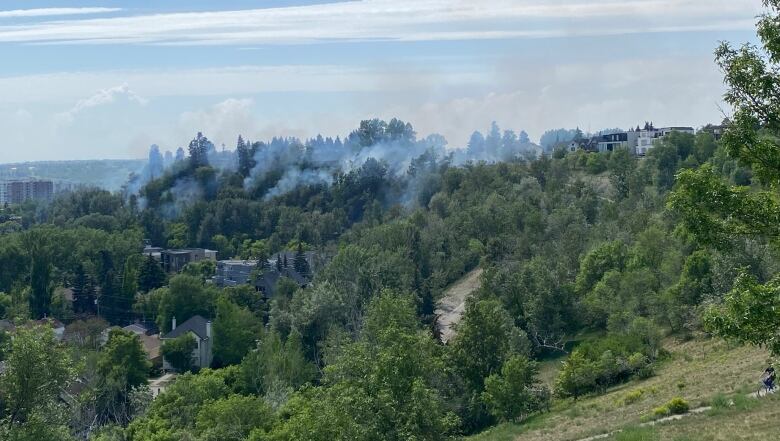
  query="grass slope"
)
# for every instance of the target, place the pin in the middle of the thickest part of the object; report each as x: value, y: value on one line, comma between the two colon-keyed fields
x: 699, y: 371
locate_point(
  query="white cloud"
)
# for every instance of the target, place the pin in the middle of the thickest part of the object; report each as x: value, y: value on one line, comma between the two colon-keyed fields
x: 227, y: 81
x: 102, y: 97
x: 402, y: 20
x: 50, y: 12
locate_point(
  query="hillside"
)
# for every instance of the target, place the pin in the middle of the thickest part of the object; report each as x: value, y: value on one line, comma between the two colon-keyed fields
x: 700, y: 371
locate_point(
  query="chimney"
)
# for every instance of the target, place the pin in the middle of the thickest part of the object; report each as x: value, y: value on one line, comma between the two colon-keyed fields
x: 173, y: 323
x: 208, y: 329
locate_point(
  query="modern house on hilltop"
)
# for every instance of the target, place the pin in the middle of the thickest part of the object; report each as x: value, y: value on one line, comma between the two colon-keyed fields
x: 639, y: 141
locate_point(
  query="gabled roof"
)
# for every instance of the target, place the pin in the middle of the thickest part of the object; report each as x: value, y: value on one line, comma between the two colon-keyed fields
x: 195, y: 324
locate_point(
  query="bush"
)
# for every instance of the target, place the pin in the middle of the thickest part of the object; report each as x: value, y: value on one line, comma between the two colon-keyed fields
x: 675, y: 406
x: 661, y: 411
x: 678, y: 406
x: 633, y: 396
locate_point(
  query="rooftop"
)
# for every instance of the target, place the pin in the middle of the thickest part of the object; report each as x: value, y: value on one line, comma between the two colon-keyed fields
x: 195, y: 324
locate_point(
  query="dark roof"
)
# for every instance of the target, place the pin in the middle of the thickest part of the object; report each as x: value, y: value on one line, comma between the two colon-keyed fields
x: 196, y: 324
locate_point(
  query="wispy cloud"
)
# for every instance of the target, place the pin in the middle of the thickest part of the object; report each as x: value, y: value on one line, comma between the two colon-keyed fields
x: 401, y: 20
x: 102, y: 97
x: 52, y: 12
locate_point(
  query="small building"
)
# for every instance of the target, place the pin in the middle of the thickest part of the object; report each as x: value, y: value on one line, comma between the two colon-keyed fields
x: 173, y: 261
x: 200, y: 329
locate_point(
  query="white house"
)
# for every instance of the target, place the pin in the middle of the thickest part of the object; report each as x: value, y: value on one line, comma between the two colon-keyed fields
x: 200, y: 329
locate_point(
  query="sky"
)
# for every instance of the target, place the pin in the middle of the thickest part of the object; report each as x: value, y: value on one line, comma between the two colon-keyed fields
x: 106, y: 79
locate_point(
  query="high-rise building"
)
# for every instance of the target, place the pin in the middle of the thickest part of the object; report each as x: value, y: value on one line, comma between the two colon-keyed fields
x: 18, y: 191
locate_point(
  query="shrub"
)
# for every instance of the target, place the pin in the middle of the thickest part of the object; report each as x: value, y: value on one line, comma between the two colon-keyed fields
x: 633, y: 396
x: 661, y: 411
x: 678, y: 406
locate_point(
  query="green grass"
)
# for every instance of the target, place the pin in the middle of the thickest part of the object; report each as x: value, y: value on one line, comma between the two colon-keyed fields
x: 702, y: 372
x: 637, y: 434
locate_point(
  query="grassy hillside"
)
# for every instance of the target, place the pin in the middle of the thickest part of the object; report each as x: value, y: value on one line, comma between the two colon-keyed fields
x: 703, y: 372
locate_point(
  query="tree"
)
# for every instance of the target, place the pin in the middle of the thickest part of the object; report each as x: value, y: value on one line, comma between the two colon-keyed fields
x: 114, y: 305
x: 246, y: 160
x: 235, y: 332
x: 300, y: 263
x: 36, y: 242
x: 178, y: 352
x: 37, y: 370
x: 750, y: 313
x: 83, y: 292
x: 576, y: 377
x: 234, y: 418
x: 512, y: 394
x: 486, y: 338
x: 199, y: 149
x: 122, y: 367
x: 184, y: 297
x: 151, y: 275
x: 714, y: 212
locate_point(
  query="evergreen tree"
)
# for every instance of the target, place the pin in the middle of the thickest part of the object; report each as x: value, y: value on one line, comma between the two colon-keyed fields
x: 300, y: 263
x: 279, y: 262
x: 199, y: 150
x: 83, y: 292
x: 40, y: 274
x: 111, y: 304
x: 246, y: 160
x: 151, y: 275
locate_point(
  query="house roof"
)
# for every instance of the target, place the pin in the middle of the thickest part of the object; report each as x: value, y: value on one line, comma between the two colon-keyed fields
x: 195, y: 324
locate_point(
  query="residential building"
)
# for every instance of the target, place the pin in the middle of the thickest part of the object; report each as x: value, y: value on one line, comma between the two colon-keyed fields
x: 21, y: 190
x: 620, y: 140
x: 173, y: 261
x: 234, y: 272
x: 200, y: 329
x: 649, y: 136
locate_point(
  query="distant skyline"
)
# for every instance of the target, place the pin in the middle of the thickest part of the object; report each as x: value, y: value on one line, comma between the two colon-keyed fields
x: 106, y: 79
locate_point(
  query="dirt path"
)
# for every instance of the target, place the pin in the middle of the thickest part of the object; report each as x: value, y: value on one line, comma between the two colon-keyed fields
x: 450, y: 308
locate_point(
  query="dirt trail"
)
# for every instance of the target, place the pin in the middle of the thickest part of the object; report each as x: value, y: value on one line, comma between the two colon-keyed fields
x: 450, y: 308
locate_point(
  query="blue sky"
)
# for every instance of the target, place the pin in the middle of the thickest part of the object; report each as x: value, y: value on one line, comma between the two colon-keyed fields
x: 105, y: 79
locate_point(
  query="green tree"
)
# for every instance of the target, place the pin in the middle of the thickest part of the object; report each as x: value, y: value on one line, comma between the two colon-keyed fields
x: 300, y: 263
x: 37, y: 244
x: 178, y: 352
x: 750, y: 313
x: 486, y: 338
x: 151, y: 275
x: 234, y: 418
x: 512, y: 394
x: 37, y: 370
x: 577, y: 376
x: 83, y: 292
x: 235, y: 332
x: 185, y: 296
x: 122, y: 367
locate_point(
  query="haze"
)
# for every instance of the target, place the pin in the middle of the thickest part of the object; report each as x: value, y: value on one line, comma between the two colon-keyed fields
x: 107, y: 79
